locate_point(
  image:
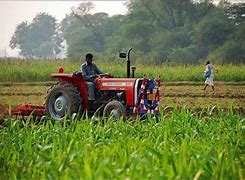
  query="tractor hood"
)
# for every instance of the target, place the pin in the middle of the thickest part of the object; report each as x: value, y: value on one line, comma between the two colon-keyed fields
x: 64, y: 76
x: 116, y: 83
x: 127, y: 85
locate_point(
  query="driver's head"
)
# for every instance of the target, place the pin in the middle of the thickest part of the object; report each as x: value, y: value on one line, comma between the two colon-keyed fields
x: 89, y: 58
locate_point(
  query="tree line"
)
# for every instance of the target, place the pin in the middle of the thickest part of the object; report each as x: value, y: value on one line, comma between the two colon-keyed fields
x: 160, y: 31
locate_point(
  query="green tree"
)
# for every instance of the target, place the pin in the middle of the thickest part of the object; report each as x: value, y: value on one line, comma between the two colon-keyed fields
x: 160, y: 31
x: 185, y: 55
x: 235, y: 12
x: 31, y: 38
x: 157, y: 27
x: 233, y: 50
x: 46, y: 50
x: 20, y: 41
x: 210, y: 34
x: 92, y: 22
x: 171, y: 15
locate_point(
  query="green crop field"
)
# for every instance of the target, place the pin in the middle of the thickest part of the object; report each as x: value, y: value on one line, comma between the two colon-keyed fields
x: 39, y: 70
x: 181, y: 146
x: 189, y: 142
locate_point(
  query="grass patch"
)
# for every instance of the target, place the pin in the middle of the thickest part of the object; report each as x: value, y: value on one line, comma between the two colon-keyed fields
x: 39, y: 70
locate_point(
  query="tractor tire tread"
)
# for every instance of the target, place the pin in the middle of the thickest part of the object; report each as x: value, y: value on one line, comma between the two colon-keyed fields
x: 74, y: 94
x: 114, y: 103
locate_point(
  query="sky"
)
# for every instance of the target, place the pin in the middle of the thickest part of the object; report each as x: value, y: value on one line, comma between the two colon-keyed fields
x: 14, y: 12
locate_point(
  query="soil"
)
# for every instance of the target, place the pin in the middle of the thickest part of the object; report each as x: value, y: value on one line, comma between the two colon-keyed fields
x: 174, y: 95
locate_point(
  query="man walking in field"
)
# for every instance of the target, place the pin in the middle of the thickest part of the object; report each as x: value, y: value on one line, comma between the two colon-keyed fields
x: 209, y: 75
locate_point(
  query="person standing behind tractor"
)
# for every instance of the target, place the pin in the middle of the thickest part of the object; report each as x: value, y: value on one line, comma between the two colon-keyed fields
x: 90, y: 71
x: 209, y: 75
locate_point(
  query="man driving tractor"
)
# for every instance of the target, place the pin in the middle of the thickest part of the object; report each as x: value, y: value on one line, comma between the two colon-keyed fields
x: 90, y: 71
x: 75, y: 93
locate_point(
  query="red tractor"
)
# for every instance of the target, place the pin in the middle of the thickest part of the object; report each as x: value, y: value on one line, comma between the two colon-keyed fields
x: 117, y: 97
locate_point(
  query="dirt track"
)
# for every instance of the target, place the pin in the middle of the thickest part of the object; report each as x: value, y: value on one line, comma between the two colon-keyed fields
x: 231, y: 96
x: 191, y: 96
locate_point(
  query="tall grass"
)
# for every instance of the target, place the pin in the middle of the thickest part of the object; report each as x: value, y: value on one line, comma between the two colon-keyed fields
x: 39, y: 70
x: 181, y: 146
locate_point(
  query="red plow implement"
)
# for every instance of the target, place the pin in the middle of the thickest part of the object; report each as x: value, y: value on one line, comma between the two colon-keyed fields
x: 25, y: 111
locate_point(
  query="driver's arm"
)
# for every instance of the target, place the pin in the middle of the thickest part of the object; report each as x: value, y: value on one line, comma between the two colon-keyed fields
x: 98, y: 71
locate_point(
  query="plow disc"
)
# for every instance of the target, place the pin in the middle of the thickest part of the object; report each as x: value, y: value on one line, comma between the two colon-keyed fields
x: 24, y: 111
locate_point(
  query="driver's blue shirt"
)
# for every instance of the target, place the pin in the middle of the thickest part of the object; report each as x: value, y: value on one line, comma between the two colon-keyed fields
x: 90, y: 70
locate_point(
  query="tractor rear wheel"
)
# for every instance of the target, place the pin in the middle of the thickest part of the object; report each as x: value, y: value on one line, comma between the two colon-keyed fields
x: 63, y: 99
x: 115, y: 109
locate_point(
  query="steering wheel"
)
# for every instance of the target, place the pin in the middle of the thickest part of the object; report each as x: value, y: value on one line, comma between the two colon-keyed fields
x: 78, y: 73
x: 105, y: 75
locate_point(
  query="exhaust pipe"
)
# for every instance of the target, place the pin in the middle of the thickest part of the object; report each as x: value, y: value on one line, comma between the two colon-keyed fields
x: 128, y: 63
x: 124, y: 55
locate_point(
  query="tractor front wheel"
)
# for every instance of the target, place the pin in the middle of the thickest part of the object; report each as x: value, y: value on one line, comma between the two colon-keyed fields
x: 63, y: 99
x: 114, y: 109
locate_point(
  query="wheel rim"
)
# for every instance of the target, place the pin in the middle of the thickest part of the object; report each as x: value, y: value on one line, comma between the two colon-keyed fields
x: 115, y: 114
x: 58, y: 106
